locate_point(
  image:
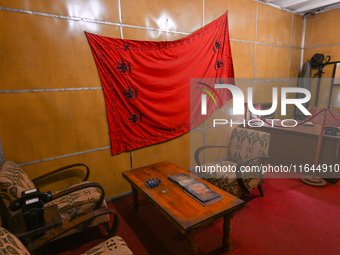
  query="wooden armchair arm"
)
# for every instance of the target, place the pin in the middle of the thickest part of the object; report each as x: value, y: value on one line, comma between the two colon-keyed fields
x: 85, y: 219
x: 198, y: 151
x: 79, y: 187
x: 82, y: 186
x: 239, y: 173
x: 39, y: 178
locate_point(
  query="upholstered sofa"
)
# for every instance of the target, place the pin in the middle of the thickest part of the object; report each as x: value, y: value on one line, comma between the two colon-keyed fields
x: 330, y: 121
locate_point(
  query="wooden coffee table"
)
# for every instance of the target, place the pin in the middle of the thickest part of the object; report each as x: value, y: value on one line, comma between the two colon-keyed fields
x: 183, y: 211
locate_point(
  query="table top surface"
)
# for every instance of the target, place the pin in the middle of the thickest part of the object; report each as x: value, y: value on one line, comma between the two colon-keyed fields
x: 302, y: 129
x: 185, y: 212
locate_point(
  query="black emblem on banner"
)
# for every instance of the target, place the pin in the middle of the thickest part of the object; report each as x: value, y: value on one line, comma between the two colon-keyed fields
x: 219, y: 64
x: 217, y: 46
x: 130, y: 94
x: 123, y: 67
x: 134, y: 118
x: 220, y: 81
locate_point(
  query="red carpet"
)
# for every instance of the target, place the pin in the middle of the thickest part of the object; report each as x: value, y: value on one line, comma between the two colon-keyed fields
x: 292, y: 218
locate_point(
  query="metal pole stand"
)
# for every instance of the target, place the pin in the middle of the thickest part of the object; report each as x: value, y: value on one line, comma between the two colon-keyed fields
x: 312, y: 180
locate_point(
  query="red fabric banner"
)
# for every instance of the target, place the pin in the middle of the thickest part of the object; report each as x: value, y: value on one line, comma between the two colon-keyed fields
x: 147, y: 84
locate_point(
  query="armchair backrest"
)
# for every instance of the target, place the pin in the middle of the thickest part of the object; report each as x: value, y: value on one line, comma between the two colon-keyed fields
x: 245, y: 143
x: 13, y: 180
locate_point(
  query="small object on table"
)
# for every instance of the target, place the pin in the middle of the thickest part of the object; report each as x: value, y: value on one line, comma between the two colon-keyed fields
x: 331, y: 131
x: 165, y: 187
x: 308, y: 124
x: 196, y: 189
x: 152, y: 182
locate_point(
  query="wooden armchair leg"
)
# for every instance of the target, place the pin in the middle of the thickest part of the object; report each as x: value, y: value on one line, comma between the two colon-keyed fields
x: 112, y: 231
x: 261, y: 190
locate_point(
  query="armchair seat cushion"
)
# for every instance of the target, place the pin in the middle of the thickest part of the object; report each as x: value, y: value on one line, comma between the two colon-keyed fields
x: 224, y: 180
x: 10, y: 244
x: 115, y: 245
x: 225, y: 177
x: 78, y: 203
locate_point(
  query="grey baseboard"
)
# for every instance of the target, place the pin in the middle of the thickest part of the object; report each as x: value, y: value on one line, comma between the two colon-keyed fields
x: 111, y: 199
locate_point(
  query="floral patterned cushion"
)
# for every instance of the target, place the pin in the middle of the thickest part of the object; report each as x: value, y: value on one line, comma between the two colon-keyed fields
x: 115, y: 245
x: 243, y: 144
x: 224, y: 180
x: 10, y: 244
x: 13, y: 180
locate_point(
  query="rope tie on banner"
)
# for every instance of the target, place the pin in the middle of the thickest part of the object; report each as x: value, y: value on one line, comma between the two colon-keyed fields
x: 333, y: 115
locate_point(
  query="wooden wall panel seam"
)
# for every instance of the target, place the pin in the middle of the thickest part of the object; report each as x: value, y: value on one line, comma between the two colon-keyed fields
x: 156, y: 29
x: 64, y: 156
x: 273, y: 80
x: 254, y: 66
x: 100, y: 88
x: 268, y: 44
x: 321, y: 46
x: 203, y: 13
x: 291, y: 32
x: 303, y: 41
x: 120, y: 19
x: 48, y: 90
x: 291, y: 44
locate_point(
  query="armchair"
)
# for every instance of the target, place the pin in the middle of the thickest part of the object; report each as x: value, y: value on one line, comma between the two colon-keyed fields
x: 73, y: 202
x: 246, y: 148
x: 10, y: 244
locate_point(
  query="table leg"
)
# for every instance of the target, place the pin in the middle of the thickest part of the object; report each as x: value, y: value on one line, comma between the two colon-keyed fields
x: 135, y: 199
x: 226, y: 232
x: 336, y: 160
x: 192, y: 243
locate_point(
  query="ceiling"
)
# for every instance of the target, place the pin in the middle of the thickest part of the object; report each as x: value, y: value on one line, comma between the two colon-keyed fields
x: 304, y: 7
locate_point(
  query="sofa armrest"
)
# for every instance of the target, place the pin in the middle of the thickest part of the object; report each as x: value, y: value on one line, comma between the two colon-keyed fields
x: 198, y: 151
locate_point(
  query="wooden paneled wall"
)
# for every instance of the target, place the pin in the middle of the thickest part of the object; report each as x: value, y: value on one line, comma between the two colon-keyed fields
x: 322, y: 36
x: 52, y: 105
